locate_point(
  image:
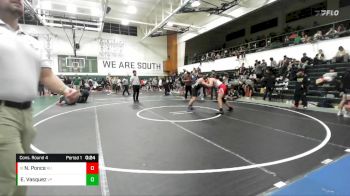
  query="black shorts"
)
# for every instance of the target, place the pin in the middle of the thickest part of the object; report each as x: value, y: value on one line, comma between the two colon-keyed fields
x: 195, y: 90
x: 223, y: 100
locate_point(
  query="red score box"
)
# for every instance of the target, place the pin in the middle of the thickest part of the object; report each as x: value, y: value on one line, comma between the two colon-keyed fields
x: 92, y: 168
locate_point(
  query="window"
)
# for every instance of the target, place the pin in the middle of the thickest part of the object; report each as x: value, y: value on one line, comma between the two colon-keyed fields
x: 344, y: 3
x: 264, y: 25
x: 235, y: 35
x: 306, y: 12
x: 119, y: 29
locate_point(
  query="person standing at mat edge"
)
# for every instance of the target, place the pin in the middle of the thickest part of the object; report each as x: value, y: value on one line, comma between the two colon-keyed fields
x: 135, y: 82
x: 20, y: 57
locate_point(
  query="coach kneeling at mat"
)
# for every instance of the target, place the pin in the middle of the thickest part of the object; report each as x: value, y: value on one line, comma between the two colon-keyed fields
x: 22, y: 66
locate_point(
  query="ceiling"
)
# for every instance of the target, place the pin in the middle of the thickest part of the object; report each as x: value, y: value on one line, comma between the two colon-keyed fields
x: 151, y: 16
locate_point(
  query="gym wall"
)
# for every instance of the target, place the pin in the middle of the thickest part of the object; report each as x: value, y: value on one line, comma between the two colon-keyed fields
x: 116, y: 54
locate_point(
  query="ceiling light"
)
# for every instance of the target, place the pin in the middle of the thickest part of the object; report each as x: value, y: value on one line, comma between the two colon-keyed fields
x: 131, y: 9
x: 195, y: 3
x: 125, y: 22
x: 125, y: 1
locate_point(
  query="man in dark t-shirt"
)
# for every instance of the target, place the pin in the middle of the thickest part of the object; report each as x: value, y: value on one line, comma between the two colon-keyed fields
x: 301, y: 88
x: 188, y: 84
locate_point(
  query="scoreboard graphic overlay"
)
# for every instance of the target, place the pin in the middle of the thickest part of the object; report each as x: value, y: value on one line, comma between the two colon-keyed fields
x: 57, y: 170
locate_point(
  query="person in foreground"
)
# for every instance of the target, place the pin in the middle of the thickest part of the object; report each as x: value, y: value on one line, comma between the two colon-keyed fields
x: 20, y: 57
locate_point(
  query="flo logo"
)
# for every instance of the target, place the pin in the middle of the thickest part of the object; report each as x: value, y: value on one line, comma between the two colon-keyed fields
x: 327, y: 12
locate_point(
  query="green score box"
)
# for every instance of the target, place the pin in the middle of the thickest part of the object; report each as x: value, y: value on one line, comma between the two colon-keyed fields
x: 92, y: 180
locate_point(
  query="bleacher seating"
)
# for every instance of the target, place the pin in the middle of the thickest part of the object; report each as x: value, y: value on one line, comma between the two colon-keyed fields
x: 316, y: 93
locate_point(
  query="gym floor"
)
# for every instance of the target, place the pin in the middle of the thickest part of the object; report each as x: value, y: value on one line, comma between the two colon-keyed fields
x: 155, y: 147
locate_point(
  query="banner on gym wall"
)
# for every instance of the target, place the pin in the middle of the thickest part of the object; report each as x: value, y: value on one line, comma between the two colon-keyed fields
x: 122, y: 67
x: 77, y: 64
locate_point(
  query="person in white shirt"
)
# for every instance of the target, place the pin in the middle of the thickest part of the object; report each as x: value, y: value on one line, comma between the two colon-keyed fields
x: 135, y: 82
x: 327, y: 77
x: 160, y: 84
x: 273, y: 63
x: 319, y: 58
x: 23, y: 65
x: 126, y: 86
x: 119, y: 85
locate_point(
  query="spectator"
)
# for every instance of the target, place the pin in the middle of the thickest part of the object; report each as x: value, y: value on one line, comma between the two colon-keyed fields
x: 188, y: 84
x: 318, y: 36
x: 231, y: 52
x: 286, y: 40
x: 114, y: 84
x: 269, y: 82
x: 305, y: 61
x: 305, y: 38
x: 227, y: 53
x: 340, y: 28
x: 166, y: 86
x: 301, y: 87
x: 248, y: 88
x: 217, y: 56
x: 331, y: 32
x: 319, y: 58
x: 126, y: 86
x: 284, y: 62
x: 203, y: 58
x: 273, y: 63
x: 327, y: 77
x: 233, y: 93
x: 264, y: 64
x: 258, y: 69
x: 297, y: 39
x: 242, y: 70
x: 67, y: 81
x: 346, y: 92
x: 77, y: 83
x: 242, y: 52
x: 256, y: 63
x: 292, y: 36
x: 212, y: 56
x: 207, y: 57
x: 41, y: 89
x: 341, y: 56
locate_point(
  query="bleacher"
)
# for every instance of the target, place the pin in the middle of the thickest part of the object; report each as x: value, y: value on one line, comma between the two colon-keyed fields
x: 316, y: 93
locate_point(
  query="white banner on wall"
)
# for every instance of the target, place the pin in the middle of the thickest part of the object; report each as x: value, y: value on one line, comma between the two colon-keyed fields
x: 123, y: 67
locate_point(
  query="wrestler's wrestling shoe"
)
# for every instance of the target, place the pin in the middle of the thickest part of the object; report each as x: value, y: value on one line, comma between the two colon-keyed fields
x: 221, y: 111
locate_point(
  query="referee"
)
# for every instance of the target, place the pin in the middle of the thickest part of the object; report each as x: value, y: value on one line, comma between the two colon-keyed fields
x: 22, y: 66
x: 135, y: 82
